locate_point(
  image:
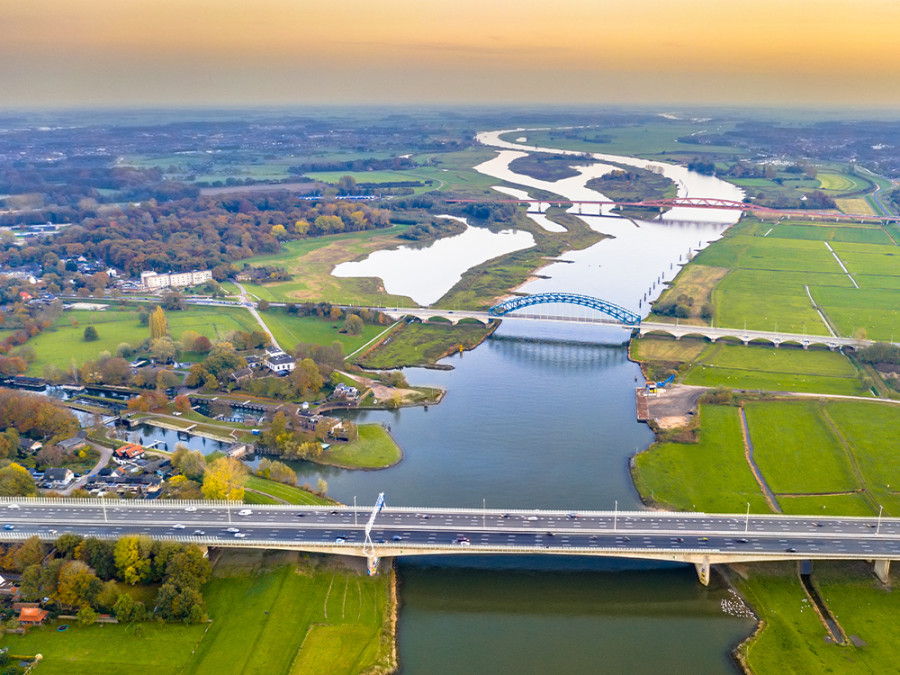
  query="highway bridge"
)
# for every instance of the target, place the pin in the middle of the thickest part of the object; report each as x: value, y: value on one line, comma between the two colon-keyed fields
x: 697, y: 538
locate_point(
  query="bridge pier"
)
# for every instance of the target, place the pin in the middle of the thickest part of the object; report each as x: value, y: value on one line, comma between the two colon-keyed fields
x: 883, y: 571
x: 702, y: 568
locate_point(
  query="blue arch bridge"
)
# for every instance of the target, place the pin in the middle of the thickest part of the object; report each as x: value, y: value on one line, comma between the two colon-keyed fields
x: 625, y: 316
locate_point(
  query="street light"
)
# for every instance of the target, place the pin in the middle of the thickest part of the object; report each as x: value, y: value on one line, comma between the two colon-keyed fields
x: 747, y: 519
x: 878, y: 527
x: 616, y: 516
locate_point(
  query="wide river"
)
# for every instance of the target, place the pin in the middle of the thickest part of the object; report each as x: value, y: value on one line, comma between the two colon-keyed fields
x: 543, y: 415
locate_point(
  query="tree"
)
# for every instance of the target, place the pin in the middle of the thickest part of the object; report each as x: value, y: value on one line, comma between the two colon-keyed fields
x: 124, y: 608
x: 159, y: 325
x: 180, y: 487
x: 90, y: 334
x: 346, y: 185
x: 163, y: 349
x: 263, y: 305
x: 188, y: 568
x: 322, y: 486
x: 132, y: 555
x: 190, y: 463
x: 354, y: 325
x: 100, y: 555
x: 225, y: 479
x: 67, y: 544
x: 87, y: 616
x: 166, y: 379
x: 78, y: 585
x: 15, y: 481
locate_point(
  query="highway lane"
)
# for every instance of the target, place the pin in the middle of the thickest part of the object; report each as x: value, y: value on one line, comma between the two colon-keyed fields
x: 648, y: 531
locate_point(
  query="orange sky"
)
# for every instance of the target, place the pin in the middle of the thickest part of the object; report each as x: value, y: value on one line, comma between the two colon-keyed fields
x: 248, y: 52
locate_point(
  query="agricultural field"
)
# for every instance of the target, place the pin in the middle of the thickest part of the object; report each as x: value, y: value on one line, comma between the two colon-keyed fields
x: 763, y: 367
x: 710, y: 475
x: 64, y: 343
x: 263, y: 606
x: 779, y: 275
x: 796, y: 450
x: 817, y: 457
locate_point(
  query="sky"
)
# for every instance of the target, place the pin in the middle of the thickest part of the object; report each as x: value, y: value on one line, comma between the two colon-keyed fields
x: 804, y: 53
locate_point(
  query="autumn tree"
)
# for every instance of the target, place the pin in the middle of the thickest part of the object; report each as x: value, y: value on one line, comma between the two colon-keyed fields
x: 225, y: 480
x: 90, y: 334
x: 354, y: 325
x: 132, y: 556
x: 78, y: 586
x: 190, y: 463
x: 159, y: 325
x: 15, y: 481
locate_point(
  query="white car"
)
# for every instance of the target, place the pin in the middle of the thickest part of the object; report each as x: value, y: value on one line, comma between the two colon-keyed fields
x: 245, y: 512
x: 190, y: 509
x: 178, y: 526
x: 239, y: 535
x: 233, y: 530
x: 12, y: 506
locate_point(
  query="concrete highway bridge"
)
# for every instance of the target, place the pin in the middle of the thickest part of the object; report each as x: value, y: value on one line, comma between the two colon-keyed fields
x: 695, y: 538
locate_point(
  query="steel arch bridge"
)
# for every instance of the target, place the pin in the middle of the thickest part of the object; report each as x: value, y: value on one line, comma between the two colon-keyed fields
x: 626, y: 316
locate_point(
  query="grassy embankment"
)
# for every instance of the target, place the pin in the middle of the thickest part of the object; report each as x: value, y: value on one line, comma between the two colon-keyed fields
x: 270, y: 613
x: 374, y: 449
x: 259, y: 490
x: 416, y: 344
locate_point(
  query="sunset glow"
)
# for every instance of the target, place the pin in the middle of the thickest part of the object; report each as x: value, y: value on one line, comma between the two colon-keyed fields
x: 140, y: 52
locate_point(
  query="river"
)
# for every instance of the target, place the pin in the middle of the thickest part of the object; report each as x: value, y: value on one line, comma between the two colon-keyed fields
x: 543, y: 415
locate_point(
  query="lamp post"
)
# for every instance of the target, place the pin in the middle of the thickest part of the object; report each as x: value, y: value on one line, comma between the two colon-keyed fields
x: 747, y: 519
x: 878, y: 527
x: 616, y: 516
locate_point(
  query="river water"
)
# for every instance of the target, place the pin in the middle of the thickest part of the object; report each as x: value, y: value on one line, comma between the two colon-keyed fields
x: 543, y: 415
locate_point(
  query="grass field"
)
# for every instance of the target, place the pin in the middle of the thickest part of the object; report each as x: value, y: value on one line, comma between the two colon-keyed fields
x: 290, y: 329
x: 311, y: 262
x: 64, y: 342
x: 261, y: 614
x: 265, y: 491
x: 711, y: 475
x: 835, y: 182
x: 763, y: 367
x: 416, y: 344
x: 374, y: 449
x: 795, y: 449
x: 657, y: 348
x: 792, y: 639
x: 856, y: 206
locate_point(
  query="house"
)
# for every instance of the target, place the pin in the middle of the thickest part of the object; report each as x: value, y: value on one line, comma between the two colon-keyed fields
x: 71, y: 444
x: 241, y: 374
x: 346, y: 392
x: 58, y: 478
x: 33, y: 616
x: 8, y: 586
x: 253, y: 362
x: 128, y: 452
x: 279, y: 362
x: 29, y: 446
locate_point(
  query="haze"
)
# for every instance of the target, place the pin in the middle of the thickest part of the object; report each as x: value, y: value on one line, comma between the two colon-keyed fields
x: 234, y: 52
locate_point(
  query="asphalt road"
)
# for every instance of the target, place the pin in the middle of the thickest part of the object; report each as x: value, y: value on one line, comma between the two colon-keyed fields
x: 470, y: 529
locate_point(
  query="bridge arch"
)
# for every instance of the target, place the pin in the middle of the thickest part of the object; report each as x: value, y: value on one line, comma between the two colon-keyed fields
x: 626, y: 316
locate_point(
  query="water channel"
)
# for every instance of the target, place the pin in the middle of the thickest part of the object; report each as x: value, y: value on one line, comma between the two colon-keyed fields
x: 543, y: 415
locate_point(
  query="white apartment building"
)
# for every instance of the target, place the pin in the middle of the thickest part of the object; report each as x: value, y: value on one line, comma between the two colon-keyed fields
x: 152, y: 280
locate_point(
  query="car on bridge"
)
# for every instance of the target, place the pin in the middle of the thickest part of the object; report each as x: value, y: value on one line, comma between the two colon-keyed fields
x: 245, y: 512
